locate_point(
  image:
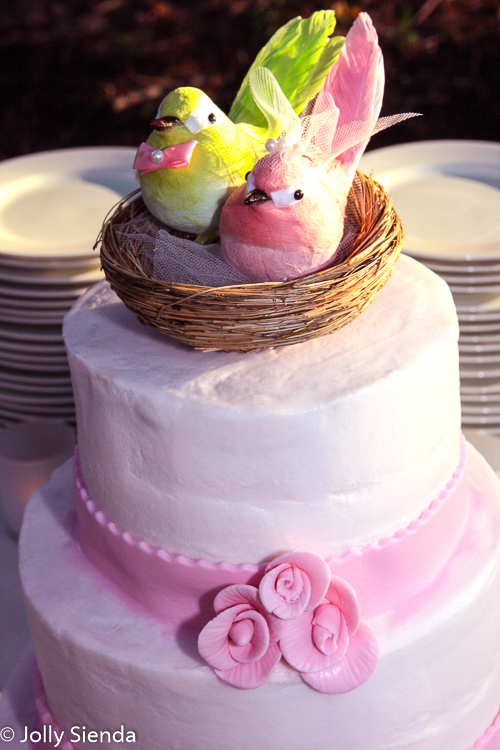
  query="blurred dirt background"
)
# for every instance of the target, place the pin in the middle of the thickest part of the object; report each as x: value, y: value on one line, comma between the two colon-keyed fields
x: 92, y: 72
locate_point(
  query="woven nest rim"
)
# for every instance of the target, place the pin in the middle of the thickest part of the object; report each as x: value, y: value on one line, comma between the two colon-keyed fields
x: 255, y: 315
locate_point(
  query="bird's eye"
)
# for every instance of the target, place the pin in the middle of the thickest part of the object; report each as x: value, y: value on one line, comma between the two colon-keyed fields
x: 287, y: 197
x: 203, y: 115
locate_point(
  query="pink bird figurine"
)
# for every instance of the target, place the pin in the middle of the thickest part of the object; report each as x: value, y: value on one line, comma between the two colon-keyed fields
x: 287, y: 220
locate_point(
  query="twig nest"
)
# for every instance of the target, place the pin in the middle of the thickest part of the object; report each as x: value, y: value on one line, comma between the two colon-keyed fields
x: 246, y: 317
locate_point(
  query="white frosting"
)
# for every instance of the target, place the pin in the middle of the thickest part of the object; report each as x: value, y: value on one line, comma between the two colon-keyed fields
x: 325, y: 445
x: 105, y: 663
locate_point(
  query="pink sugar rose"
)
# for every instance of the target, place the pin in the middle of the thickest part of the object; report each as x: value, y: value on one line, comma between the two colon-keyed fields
x: 294, y: 583
x: 241, y: 642
x: 329, y: 646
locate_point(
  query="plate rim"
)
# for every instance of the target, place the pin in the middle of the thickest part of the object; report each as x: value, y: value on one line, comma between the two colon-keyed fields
x: 77, y: 158
x: 444, y: 151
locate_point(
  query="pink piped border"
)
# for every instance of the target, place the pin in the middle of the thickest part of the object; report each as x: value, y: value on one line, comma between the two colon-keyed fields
x: 149, y: 549
x: 424, y: 517
x: 491, y: 738
x: 398, y: 536
x: 383, y: 573
x: 45, y: 715
x: 489, y: 741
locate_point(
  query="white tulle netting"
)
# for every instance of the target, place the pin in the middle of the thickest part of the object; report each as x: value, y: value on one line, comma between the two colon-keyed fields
x: 167, y: 257
x: 318, y: 131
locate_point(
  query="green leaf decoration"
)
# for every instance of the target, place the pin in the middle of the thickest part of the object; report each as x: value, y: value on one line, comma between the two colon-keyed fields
x: 300, y: 55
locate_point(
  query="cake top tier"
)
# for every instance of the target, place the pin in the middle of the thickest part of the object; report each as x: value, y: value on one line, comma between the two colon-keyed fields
x: 397, y: 331
x: 324, y: 445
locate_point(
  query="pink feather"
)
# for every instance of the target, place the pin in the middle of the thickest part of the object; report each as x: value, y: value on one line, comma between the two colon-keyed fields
x: 354, y: 87
x: 270, y: 242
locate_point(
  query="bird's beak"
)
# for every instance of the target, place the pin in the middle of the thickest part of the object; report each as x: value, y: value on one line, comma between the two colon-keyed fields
x: 164, y: 123
x: 255, y: 197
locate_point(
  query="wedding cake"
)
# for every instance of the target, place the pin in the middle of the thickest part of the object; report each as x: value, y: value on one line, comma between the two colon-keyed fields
x: 288, y: 548
x: 291, y: 548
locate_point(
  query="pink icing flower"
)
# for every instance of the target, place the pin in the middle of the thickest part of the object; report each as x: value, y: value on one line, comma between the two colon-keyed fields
x: 329, y: 646
x: 241, y: 643
x: 294, y: 583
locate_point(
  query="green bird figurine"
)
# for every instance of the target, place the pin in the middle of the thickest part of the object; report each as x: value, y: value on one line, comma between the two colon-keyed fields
x: 197, y: 156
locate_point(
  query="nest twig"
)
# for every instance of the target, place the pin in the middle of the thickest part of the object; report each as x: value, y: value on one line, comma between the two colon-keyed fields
x: 252, y: 316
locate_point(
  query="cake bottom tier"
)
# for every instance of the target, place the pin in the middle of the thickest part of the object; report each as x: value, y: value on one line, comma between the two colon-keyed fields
x: 106, y: 663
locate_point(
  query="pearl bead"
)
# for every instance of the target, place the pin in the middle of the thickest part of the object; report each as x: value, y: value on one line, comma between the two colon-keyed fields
x: 298, y: 148
x: 282, y: 144
x: 271, y: 145
x: 157, y: 156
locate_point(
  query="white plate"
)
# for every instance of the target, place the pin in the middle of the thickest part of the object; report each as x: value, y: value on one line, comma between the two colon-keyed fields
x: 19, y: 411
x: 491, y: 410
x: 46, y: 294
x: 479, y: 386
x: 48, y: 279
x: 36, y: 390
x: 465, y: 269
x: 52, y: 204
x: 481, y: 302
x: 480, y: 371
x: 482, y: 399
x: 36, y: 303
x: 487, y: 323
x: 487, y: 445
x: 477, y: 282
x: 468, y: 289
x: 53, y: 363
x: 29, y: 316
x: 26, y: 348
x: 447, y: 194
x: 45, y: 317
x: 479, y: 359
x: 9, y: 399
x: 488, y: 316
x: 477, y: 328
x: 49, y: 364
x: 34, y: 378
x: 478, y: 339
x: 486, y: 420
x: 482, y: 316
x: 482, y: 264
x: 54, y: 266
x: 478, y: 349
x: 50, y: 334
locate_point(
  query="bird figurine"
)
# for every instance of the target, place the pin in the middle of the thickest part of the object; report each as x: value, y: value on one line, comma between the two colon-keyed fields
x: 196, y: 155
x: 288, y: 219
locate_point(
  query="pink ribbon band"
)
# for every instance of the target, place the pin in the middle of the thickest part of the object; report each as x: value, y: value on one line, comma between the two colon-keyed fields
x: 148, y: 159
x: 181, y: 590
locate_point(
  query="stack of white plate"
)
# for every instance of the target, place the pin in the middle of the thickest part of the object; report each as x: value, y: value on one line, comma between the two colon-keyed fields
x: 447, y: 194
x: 52, y: 206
